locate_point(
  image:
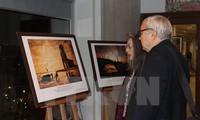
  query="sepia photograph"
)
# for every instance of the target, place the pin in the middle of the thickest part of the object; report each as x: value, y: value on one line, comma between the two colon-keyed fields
x: 109, y: 62
x: 53, y: 64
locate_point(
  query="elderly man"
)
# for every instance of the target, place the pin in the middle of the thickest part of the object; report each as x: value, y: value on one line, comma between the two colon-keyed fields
x: 155, y: 35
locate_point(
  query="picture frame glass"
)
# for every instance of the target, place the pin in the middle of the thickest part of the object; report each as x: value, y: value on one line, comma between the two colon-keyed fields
x: 109, y: 62
x: 54, y: 65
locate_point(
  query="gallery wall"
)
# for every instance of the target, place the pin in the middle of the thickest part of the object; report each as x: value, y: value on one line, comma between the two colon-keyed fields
x: 101, y: 20
x: 51, y: 8
x: 152, y: 6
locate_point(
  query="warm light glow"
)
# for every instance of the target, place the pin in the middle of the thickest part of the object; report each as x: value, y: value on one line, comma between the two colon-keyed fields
x: 21, y: 99
x: 24, y: 91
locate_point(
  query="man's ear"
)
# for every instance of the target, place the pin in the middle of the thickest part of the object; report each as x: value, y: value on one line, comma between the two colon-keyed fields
x: 154, y: 37
x: 153, y: 34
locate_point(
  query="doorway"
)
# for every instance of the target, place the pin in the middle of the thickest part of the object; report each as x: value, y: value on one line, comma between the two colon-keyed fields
x: 187, y: 33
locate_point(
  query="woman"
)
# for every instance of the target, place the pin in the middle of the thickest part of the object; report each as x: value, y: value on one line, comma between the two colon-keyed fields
x: 135, y: 56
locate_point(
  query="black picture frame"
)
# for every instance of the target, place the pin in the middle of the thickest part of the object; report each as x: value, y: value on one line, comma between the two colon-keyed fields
x: 54, y: 66
x: 109, y: 62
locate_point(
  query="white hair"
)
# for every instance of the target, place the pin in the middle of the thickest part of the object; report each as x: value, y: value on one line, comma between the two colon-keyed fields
x: 160, y: 24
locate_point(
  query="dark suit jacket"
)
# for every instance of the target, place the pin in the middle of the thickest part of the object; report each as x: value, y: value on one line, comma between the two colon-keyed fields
x: 172, y: 103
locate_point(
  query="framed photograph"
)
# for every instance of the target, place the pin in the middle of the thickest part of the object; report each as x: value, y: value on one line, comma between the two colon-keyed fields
x: 109, y: 62
x: 53, y: 65
x: 178, y: 41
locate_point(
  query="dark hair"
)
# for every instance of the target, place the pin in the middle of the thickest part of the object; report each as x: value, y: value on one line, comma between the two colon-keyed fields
x: 136, y: 63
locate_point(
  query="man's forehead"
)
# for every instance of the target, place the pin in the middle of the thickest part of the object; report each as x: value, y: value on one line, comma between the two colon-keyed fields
x: 143, y: 24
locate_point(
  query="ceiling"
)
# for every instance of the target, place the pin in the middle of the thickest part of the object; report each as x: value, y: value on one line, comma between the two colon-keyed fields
x: 187, y: 31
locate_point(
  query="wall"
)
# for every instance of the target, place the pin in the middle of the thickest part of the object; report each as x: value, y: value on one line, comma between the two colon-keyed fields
x: 119, y: 18
x: 87, y: 26
x: 101, y: 20
x: 152, y: 6
x: 40, y: 7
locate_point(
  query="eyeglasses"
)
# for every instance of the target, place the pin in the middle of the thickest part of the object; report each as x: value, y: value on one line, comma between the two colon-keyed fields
x: 128, y: 46
x: 140, y: 31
